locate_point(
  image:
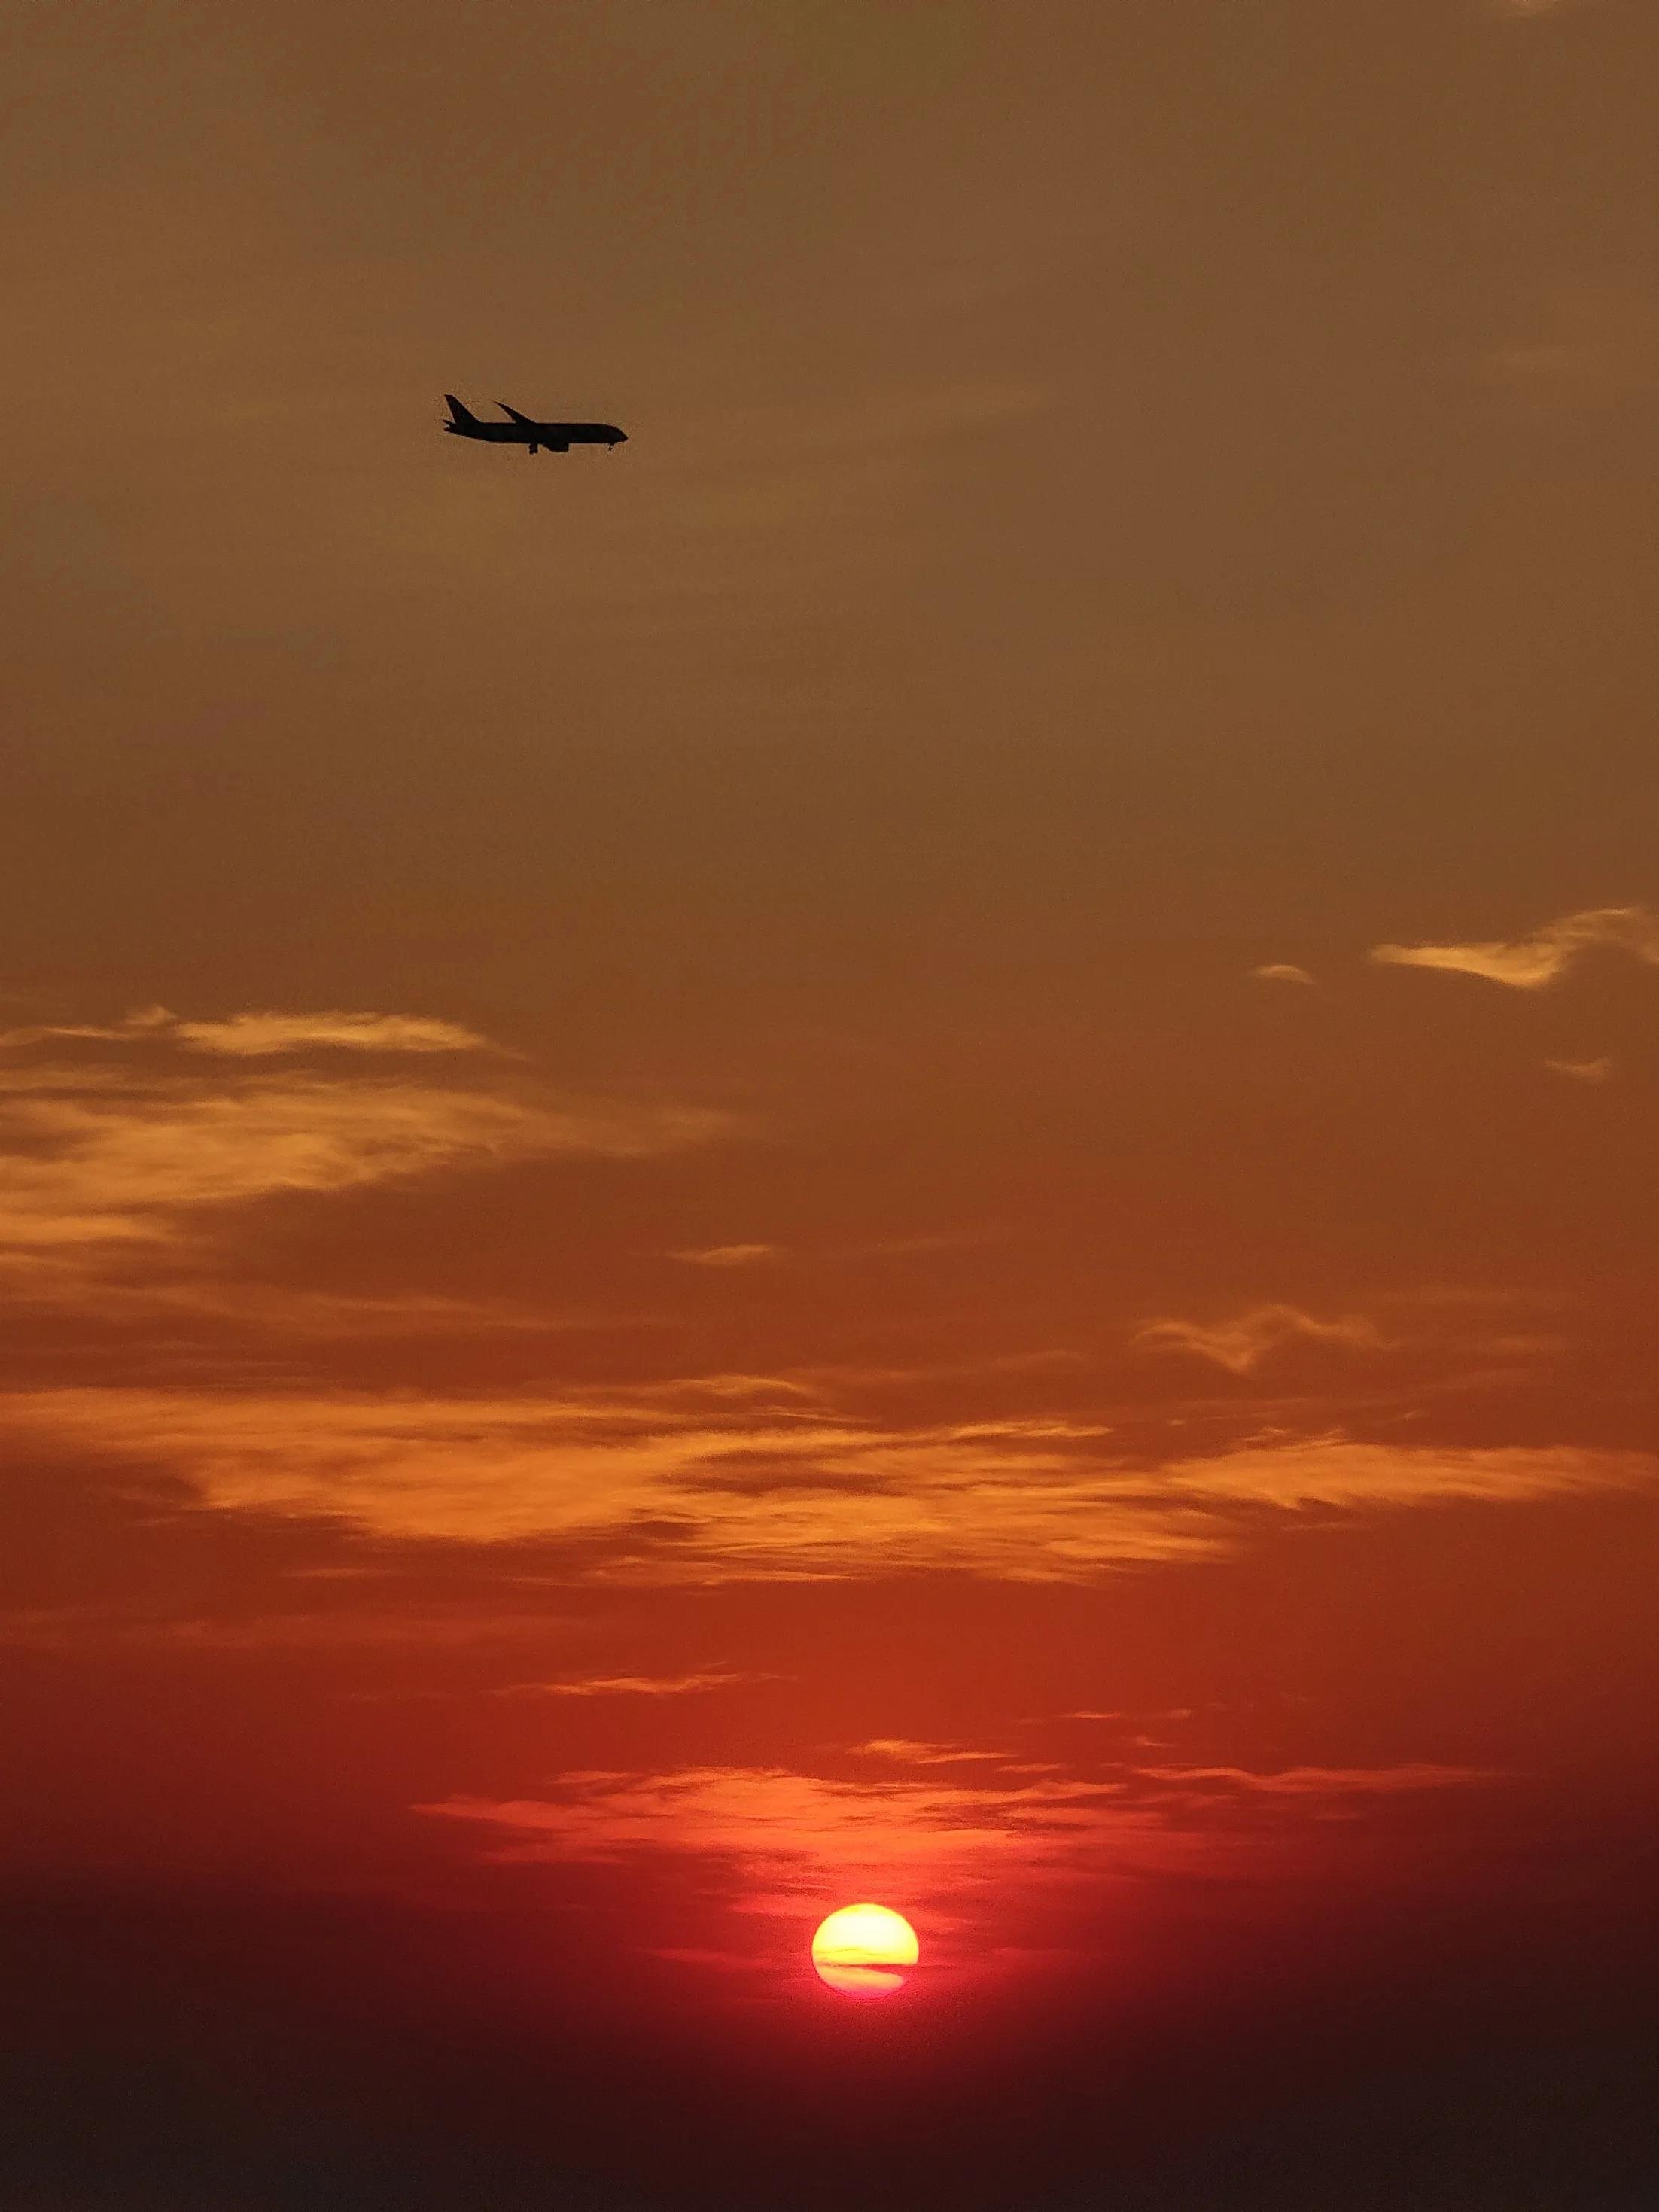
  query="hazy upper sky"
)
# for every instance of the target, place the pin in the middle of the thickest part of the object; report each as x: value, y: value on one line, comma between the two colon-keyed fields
x: 900, y: 1147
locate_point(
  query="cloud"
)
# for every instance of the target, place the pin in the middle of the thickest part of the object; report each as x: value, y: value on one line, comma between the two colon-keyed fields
x: 1283, y: 971
x: 262, y: 1036
x: 903, y: 1751
x: 135, y: 1026
x: 795, y: 1841
x: 728, y: 1255
x: 633, y: 1685
x: 1322, y: 1781
x: 256, y: 1035
x: 645, y: 1491
x: 803, y: 1835
x: 655, y: 1493
x: 1585, y: 1070
x: 1334, y: 1471
x: 101, y: 1158
x: 1240, y: 1344
x: 1527, y: 963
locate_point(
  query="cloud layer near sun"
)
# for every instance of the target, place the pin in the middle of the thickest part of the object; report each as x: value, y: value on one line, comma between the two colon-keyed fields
x: 792, y: 1842
x: 1527, y: 963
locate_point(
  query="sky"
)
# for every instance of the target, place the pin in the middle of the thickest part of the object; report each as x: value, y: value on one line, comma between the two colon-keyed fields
x: 898, y: 1147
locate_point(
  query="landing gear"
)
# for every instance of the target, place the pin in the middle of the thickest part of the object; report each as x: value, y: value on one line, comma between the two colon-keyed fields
x: 535, y: 449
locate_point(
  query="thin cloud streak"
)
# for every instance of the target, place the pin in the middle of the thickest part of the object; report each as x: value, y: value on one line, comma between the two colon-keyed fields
x: 634, y: 1685
x: 1240, y: 1345
x: 263, y: 1035
x: 727, y: 1255
x: 1529, y: 964
x: 1322, y: 1781
x: 1336, y: 1472
x: 903, y: 1751
x: 1602, y: 1070
x: 257, y: 1035
x: 1284, y: 971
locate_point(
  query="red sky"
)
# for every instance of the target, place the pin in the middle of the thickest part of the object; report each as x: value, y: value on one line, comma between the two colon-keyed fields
x: 900, y: 1147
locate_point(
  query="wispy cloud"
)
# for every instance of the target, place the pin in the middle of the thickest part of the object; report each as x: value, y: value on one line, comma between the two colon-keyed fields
x: 1336, y: 1472
x: 652, y: 1492
x: 801, y: 1834
x: 634, y: 1685
x: 257, y: 1035
x: 1527, y: 963
x: 793, y: 1841
x: 110, y: 1155
x: 660, y: 1493
x: 1320, y: 1781
x: 903, y: 1751
x: 1602, y: 1070
x: 727, y: 1255
x: 1242, y: 1343
x: 1283, y: 971
x: 265, y: 1035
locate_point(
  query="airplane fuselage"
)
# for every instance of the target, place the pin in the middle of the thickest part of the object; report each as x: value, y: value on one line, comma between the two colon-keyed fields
x: 556, y: 437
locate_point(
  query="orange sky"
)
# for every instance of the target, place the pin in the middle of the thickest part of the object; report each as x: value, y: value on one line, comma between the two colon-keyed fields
x: 900, y: 1147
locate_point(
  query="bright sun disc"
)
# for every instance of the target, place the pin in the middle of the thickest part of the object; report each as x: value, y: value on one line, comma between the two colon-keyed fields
x: 865, y: 1950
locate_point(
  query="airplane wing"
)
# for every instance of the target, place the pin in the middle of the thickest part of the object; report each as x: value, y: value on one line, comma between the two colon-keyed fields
x: 514, y: 413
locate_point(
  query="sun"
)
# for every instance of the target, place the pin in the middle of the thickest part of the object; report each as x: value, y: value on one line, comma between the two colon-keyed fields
x: 865, y: 1950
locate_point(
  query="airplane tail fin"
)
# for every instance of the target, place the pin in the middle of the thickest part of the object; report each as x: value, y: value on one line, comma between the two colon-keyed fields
x: 457, y: 412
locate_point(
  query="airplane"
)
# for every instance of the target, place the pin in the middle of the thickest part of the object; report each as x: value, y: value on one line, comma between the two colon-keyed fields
x: 524, y: 430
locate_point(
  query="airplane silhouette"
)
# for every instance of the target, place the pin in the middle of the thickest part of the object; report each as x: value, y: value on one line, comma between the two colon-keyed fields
x: 522, y: 430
